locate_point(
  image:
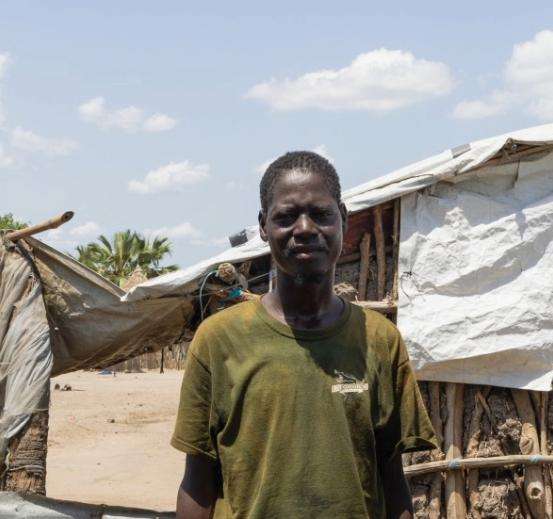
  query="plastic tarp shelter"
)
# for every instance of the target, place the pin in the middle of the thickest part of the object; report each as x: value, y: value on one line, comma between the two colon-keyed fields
x: 58, y: 316
x: 475, y: 260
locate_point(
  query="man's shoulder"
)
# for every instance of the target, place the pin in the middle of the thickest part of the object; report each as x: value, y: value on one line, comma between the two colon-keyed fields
x: 234, y: 317
x: 375, y: 320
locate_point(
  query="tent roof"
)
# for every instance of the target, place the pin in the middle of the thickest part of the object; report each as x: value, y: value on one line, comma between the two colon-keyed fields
x: 447, y: 165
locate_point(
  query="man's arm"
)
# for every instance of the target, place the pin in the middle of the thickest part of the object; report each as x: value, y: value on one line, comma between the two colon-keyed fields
x: 396, y: 491
x: 198, y: 490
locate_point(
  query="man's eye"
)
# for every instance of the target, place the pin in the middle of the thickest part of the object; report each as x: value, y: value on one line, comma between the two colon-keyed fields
x: 285, y: 219
x: 322, y: 216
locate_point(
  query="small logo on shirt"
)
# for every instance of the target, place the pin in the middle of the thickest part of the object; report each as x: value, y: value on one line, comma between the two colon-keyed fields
x: 348, y: 384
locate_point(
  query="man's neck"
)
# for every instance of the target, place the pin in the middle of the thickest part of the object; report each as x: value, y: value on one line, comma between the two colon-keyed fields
x: 304, y: 302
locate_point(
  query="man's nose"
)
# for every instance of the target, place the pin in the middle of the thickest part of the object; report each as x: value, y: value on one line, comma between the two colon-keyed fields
x: 304, y: 226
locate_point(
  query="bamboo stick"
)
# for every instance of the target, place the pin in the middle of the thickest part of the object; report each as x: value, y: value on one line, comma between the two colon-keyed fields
x: 365, y: 251
x: 529, y: 444
x: 453, y: 442
x: 52, y: 223
x: 380, y: 253
x: 456, y: 464
x: 435, y: 501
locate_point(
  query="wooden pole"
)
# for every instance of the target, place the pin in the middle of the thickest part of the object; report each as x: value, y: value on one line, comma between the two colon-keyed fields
x: 529, y: 444
x: 435, y: 501
x: 519, y: 482
x: 472, y: 451
x: 365, y: 251
x: 395, y: 245
x: 52, y: 223
x: 544, y: 428
x: 453, y: 445
x: 26, y: 461
x: 380, y: 253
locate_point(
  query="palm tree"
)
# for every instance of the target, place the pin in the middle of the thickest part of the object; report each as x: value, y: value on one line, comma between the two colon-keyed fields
x: 8, y: 222
x: 117, y: 259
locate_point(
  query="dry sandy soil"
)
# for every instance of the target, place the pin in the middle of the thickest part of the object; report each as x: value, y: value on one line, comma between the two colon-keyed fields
x: 109, y: 439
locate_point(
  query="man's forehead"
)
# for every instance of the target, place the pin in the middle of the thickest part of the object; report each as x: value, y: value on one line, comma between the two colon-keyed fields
x: 299, y: 180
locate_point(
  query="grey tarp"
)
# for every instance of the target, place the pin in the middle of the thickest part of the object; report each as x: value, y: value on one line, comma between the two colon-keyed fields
x: 58, y: 316
x: 16, y: 506
x: 25, y: 347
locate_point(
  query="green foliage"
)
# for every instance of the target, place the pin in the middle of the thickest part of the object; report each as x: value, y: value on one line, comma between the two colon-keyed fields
x: 117, y: 259
x: 7, y: 221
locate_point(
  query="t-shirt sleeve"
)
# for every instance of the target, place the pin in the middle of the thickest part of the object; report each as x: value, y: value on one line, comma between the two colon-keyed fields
x: 408, y: 428
x: 192, y: 432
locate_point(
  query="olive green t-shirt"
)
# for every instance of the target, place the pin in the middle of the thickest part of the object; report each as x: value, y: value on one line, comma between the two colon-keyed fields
x: 297, y: 419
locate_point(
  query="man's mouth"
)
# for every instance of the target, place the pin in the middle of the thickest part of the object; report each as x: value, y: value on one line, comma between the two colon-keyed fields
x: 301, y: 250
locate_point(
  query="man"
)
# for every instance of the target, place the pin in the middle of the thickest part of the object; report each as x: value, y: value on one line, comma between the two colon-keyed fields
x: 300, y: 404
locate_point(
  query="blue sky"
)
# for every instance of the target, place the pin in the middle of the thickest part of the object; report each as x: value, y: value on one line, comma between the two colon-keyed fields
x: 157, y: 116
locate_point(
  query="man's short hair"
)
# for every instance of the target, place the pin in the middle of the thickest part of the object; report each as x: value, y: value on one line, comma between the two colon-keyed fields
x: 301, y: 160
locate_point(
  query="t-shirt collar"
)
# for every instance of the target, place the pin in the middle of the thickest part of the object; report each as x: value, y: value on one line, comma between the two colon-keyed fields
x: 287, y: 330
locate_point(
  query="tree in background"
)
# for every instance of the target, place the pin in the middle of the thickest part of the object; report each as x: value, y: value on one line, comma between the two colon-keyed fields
x: 128, y: 250
x: 7, y: 221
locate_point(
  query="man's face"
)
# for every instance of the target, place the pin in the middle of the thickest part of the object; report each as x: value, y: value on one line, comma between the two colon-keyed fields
x: 304, y: 225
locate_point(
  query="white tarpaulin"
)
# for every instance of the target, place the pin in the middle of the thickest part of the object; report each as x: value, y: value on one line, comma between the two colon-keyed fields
x: 476, y: 277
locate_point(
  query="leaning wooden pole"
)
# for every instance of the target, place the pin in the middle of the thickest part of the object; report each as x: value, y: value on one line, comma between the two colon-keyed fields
x: 453, y: 446
x: 52, y: 223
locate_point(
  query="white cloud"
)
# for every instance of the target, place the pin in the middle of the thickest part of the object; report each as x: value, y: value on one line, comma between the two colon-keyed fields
x: 189, y: 233
x: 495, y: 104
x: 182, y: 230
x: 173, y: 176
x: 321, y: 149
x: 6, y: 160
x: 68, y: 239
x: 129, y: 119
x: 28, y: 141
x: 377, y: 81
x: 86, y: 229
x: 57, y: 238
x: 212, y: 242
x: 159, y: 123
x: 4, y: 62
x: 527, y: 83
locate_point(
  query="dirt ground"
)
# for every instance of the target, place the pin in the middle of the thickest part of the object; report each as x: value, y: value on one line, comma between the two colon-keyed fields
x: 109, y: 439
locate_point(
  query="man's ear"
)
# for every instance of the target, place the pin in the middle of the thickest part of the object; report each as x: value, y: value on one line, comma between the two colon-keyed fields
x: 262, y: 222
x: 344, y: 214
